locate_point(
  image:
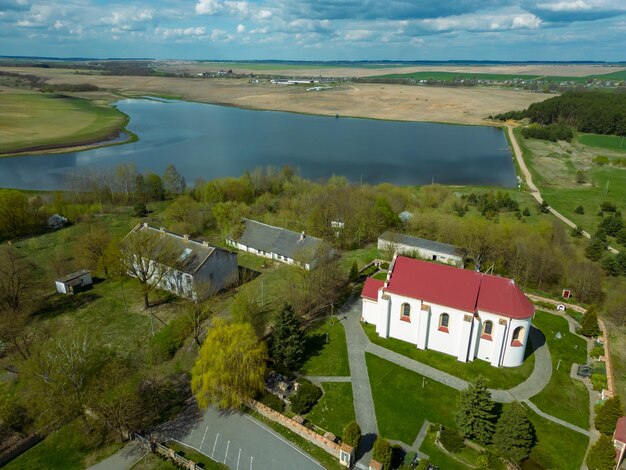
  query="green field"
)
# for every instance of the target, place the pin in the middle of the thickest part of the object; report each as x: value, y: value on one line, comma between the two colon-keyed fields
x: 325, y: 350
x: 563, y: 397
x: 335, y: 409
x: 451, y: 76
x: 30, y: 121
x: 609, y: 142
x: 495, y: 377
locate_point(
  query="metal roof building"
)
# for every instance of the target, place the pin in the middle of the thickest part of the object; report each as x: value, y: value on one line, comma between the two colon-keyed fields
x: 425, y: 249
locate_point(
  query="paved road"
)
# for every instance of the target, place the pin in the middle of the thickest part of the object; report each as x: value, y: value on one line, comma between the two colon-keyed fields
x: 243, y: 443
x: 124, y: 459
x: 534, y: 191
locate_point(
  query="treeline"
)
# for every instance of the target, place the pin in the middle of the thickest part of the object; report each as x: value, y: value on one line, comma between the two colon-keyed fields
x: 591, y: 111
x: 78, y: 87
x: 551, y: 132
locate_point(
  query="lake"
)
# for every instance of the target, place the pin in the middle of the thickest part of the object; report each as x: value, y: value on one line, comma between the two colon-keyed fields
x: 210, y: 141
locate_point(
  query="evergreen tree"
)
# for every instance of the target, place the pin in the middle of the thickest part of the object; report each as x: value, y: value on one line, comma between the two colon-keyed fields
x: 580, y: 210
x: 589, y: 325
x: 514, y: 433
x: 287, y: 342
x: 602, y: 455
x: 354, y: 271
x: 594, y: 249
x: 383, y: 452
x: 352, y: 434
x: 474, y: 417
x: 607, y: 416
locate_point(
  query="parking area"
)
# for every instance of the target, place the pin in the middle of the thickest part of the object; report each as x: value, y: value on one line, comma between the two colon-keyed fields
x: 243, y: 443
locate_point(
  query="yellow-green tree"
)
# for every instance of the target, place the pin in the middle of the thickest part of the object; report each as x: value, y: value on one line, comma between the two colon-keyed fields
x: 230, y: 367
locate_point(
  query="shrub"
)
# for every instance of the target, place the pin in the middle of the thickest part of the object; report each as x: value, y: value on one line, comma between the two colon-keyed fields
x: 423, y: 465
x: 577, y: 231
x: 597, y: 351
x: 352, y: 434
x: 580, y: 210
x: 383, y: 452
x: 551, y: 132
x: 451, y: 440
x: 602, y: 455
x: 608, y: 206
x: 598, y: 381
x: 621, y: 237
x: 607, y: 416
x: 589, y: 326
x: 601, y: 160
x: 545, y: 207
x: 305, y: 398
x: 489, y: 461
x: 140, y: 210
x: 354, y: 272
x: 526, y: 212
x: 272, y: 401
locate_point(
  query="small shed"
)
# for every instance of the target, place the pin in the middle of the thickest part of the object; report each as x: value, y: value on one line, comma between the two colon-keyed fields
x: 74, y: 282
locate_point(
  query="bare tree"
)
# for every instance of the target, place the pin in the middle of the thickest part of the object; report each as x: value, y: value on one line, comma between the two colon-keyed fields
x: 204, y: 295
x: 93, y: 244
x: 15, y: 276
x: 149, y: 257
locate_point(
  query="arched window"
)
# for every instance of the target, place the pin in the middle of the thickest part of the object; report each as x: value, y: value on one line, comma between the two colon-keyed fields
x: 405, y: 312
x: 444, y: 321
x: 518, y: 336
x: 487, y: 329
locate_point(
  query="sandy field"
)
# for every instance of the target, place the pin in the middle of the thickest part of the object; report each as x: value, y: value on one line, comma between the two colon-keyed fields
x: 399, y: 102
x: 547, y: 70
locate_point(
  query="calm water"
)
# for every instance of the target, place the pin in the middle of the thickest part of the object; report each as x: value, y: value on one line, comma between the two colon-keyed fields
x: 210, y: 141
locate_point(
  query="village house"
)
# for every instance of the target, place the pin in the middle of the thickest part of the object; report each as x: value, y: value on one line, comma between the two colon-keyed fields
x: 420, y: 247
x: 198, y: 269
x: 280, y: 244
x: 462, y: 313
x: 619, y: 440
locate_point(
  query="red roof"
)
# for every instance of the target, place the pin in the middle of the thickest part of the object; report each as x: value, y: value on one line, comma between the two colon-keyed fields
x: 371, y: 287
x: 620, y: 430
x: 457, y: 288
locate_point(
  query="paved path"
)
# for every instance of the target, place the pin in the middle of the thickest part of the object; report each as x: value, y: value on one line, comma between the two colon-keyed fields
x: 124, y: 459
x: 328, y: 378
x: 534, y: 191
x: 586, y: 432
x: 239, y: 441
x: 357, y: 342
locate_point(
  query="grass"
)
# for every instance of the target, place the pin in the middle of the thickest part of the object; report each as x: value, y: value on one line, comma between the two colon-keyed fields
x: 66, y: 449
x: 335, y: 409
x: 195, y: 456
x: 556, y: 446
x: 362, y: 256
x: 326, y: 358
x: 563, y: 397
x: 328, y: 461
x: 441, y: 459
x: 609, y: 142
x: 30, y: 121
x: 402, y: 405
x: 503, y: 378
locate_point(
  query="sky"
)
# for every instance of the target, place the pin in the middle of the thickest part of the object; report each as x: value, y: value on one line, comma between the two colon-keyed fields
x: 507, y: 30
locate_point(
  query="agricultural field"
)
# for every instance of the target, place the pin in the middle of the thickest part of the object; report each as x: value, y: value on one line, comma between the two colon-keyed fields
x: 608, y: 142
x: 35, y: 121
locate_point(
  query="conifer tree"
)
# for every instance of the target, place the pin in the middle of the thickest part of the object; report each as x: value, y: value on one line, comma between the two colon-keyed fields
x: 287, y: 343
x: 514, y: 433
x: 354, y: 271
x: 589, y: 325
x: 607, y: 416
x: 602, y: 455
x: 352, y: 434
x: 474, y: 417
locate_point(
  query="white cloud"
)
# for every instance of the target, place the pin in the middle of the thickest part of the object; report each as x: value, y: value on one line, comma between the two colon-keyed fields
x: 240, y: 28
x: 181, y: 32
x: 483, y: 21
x: 358, y: 34
x: 577, y: 5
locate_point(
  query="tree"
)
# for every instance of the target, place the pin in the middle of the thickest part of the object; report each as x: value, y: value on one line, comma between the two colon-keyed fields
x: 589, y: 325
x: 615, y: 304
x: 514, y: 433
x: 246, y: 308
x: 154, y: 187
x: 287, y: 340
x: 149, y: 257
x: 201, y: 310
x: 92, y: 245
x: 354, y: 271
x: 526, y: 212
x: 352, y: 434
x: 581, y: 177
x: 602, y: 455
x: 305, y: 398
x: 595, y: 248
x: 230, y: 368
x: 577, y: 231
x: 621, y: 237
x: 173, y: 182
x: 580, y: 210
x: 607, y: 416
x: 15, y: 294
x: 474, y: 417
x: 383, y: 452
x: 545, y: 207
x: 228, y: 216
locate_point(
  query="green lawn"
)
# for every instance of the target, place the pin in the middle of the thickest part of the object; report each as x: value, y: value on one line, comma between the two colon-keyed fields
x: 444, y: 461
x: 362, y: 256
x: 563, y: 397
x: 401, y: 404
x: 326, y: 358
x: 556, y: 447
x: 66, y: 449
x: 196, y: 456
x: 609, y: 142
x: 29, y: 121
x: 503, y: 378
x: 335, y: 409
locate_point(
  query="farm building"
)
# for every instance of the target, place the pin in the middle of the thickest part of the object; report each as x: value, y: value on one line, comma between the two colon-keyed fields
x: 280, y: 244
x: 198, y: 269
x: 74, y: 282
x: 462, y: 313
x: 425, y: 249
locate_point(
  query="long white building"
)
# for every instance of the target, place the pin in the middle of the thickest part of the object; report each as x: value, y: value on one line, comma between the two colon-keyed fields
x: 465, y: 314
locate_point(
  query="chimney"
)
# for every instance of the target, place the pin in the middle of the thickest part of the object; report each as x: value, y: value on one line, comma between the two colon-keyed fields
x: 301, y: 236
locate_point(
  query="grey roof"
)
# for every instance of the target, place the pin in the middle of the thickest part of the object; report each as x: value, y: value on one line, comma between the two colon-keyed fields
x: 69, y: 277
x: 399, y: 238
x: 278, y: 240
x: 190, y: 254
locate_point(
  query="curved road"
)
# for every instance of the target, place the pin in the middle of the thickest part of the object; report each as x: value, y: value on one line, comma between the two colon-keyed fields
x: 534, y: 191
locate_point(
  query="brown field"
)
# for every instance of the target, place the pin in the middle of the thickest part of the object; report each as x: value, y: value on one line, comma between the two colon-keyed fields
x: 398, y: 102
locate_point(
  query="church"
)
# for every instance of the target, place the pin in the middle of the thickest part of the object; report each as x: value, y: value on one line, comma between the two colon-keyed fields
x: 466, y: 314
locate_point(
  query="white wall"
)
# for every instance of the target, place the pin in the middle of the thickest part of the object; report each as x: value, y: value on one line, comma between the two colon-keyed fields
x: 514, y: 355
x: 423, y: 253
x: 370, y: 311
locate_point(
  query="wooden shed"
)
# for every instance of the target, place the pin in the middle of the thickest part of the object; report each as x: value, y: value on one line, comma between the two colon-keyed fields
x: 74, y: 282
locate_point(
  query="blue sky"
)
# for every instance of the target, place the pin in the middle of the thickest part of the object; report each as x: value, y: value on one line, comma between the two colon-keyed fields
x: 317, y: 29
